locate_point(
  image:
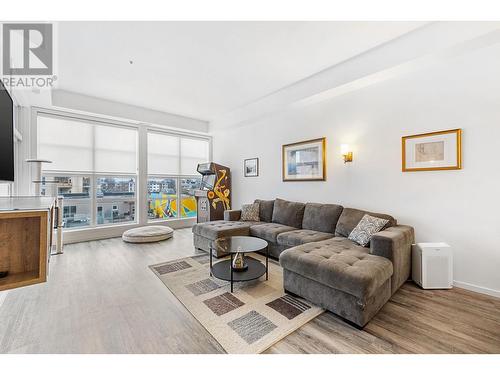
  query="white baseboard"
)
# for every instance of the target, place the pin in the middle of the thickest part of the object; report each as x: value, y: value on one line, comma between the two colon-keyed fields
x: 101, y: 233
x: 476, y: 288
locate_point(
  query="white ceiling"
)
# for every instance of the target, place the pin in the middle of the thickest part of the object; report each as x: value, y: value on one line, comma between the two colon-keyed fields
x: 205, y: 69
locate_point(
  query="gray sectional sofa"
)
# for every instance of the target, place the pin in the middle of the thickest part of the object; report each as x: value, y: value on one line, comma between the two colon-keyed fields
x: 319, y: 262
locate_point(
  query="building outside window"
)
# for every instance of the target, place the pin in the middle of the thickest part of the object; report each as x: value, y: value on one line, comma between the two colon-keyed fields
x: 115, y: 199
x: 77, y: 199
x: 162, y: 198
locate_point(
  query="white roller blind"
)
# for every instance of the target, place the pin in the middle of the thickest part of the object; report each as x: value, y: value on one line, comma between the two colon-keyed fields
x: 80, y: 146
x: 115, y: 149
x: 68, y: 143
x: 163, y: 154
x: 193, y: 152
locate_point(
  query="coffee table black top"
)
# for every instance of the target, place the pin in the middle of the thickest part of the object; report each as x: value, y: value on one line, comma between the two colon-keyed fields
x: 240, y: 244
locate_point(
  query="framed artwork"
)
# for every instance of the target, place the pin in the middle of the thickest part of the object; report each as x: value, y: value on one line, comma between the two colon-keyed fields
x: 432, y: 151
x: 304, y: 161
x: 251, y: 167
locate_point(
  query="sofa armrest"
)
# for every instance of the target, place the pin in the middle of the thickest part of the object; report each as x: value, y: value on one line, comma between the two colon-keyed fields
x: 232, y: 215
x: 394, y: 243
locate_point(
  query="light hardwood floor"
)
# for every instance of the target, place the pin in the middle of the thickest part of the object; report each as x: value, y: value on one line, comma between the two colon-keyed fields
x: 102, y: 298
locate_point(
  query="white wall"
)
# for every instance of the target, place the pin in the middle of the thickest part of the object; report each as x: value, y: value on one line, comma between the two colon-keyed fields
x: 459, y: 207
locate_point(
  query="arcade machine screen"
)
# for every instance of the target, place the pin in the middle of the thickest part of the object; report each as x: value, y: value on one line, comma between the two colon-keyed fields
x: 208, y: 182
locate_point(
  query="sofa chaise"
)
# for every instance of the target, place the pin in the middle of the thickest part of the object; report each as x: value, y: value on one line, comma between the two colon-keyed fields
x: 319, y: 262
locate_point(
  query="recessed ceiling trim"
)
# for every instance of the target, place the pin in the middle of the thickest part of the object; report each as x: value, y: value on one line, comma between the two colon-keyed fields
x: 79, y: 102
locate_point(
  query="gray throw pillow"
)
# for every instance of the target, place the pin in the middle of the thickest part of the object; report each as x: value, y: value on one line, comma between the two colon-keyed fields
x: 250, y: 212
x: 366, y: 228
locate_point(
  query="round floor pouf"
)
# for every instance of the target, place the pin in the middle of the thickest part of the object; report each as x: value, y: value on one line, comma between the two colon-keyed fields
x: 151, y: 233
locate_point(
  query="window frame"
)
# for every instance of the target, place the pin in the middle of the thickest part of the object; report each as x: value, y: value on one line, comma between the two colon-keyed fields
x: 141, y: 176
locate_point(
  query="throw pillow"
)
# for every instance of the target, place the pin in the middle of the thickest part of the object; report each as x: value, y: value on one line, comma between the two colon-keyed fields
x: 366, y: 228
x: 250, y: 212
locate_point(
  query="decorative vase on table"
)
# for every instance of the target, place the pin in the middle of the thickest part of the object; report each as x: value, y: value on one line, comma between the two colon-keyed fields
x: 239, y: 262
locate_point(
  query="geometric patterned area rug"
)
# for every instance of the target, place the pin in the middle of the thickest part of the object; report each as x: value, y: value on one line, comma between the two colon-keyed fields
x: 251, y: 319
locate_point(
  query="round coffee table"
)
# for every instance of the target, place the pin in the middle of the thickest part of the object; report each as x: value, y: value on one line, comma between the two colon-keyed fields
x: 239, y: 246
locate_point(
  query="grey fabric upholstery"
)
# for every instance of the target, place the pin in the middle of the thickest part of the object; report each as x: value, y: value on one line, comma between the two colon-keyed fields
x: 221, y: 228
x: 250, y: 212
x: 288, y: 213
x: 232, y: 215
x: 394, y: 243
x: 265, y: 210
x: 301, y: 236
x: 330, y: 271
x: 274, y: 249
x: 202, y: 243
x: 321, y: 217
x: 346, y: 305
x: 269, y: 231
x: 350, y: 217
x: 340, y: 264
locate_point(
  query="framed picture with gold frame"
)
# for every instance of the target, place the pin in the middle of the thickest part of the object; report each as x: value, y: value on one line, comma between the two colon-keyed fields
x: 434, y: 151
x: 304, y: 161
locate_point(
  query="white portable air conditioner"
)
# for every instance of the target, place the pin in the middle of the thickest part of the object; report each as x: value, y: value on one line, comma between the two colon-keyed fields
x: 432, y: 265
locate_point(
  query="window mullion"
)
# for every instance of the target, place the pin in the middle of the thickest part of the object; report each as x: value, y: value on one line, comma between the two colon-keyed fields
x: 93, y: 190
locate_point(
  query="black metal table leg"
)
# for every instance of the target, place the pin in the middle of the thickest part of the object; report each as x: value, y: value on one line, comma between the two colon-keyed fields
x: 267, y: 263
x: 231, y: 265
x: 210, y: 260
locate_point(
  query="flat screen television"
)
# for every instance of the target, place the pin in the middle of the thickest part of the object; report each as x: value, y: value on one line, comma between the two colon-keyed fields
x: 6, y: 135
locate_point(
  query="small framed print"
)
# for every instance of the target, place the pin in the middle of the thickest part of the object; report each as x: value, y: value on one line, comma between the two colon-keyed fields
x: 432, y: 151
x: 304, y: 161
x: 251, y: 167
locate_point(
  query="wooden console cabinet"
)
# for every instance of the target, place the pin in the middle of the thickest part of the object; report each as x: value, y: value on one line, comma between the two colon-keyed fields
x: 26, y: 226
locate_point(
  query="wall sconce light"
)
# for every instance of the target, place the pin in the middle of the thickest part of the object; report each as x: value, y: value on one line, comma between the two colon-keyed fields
x: 346, y: 153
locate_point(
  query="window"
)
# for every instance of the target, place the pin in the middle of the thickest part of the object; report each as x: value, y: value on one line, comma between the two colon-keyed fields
x: 162, y: 198
x: 172, y: 175
x: 77, y: 198
x: 115, y: 199
x: 94, y: 167
x: 188, y: 201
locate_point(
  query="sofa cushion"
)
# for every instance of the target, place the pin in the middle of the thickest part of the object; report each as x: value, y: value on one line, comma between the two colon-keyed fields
x: 366, y: 228
x: 221, y: 228
x: 250, y: 212
x: 265, y: 210
x: 340, y: 264
x: 269, y: 231
x: 350, y: 217
x: 321, y: 217
x: 301, y: 236
x: 288, y: 213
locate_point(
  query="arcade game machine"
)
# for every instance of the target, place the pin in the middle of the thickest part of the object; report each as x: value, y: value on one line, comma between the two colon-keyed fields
x: 214, y: 195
